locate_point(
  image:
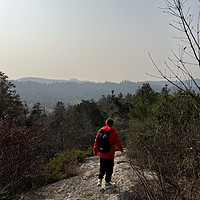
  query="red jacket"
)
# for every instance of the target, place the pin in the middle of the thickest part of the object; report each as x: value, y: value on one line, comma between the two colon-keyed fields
x: 114, y: 140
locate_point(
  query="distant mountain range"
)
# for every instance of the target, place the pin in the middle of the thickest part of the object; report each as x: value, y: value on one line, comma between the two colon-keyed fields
x: 49, y: 91
x: 46, y: 80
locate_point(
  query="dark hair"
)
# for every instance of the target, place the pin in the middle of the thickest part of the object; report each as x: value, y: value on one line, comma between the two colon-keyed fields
x: 109, y: 122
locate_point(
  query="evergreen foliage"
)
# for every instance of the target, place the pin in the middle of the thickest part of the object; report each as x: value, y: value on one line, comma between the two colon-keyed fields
x: 63, y: 165
x: 10, y: 101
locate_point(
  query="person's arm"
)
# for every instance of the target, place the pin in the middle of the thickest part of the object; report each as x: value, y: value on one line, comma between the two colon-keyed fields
x: 95, y: 143
x: 118, y: 142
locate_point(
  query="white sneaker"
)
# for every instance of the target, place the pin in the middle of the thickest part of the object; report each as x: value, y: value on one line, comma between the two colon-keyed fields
x: 99, y: 182
x: 109, y: 185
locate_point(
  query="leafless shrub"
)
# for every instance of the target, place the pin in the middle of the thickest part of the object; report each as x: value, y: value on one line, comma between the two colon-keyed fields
x: 18, y: 158
x: 166, y: 158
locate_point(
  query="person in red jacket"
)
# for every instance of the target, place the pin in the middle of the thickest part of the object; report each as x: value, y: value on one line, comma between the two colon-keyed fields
x: 107, y: 159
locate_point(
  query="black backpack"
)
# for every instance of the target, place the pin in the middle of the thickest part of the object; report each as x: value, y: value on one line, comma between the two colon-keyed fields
x: 103, y: 142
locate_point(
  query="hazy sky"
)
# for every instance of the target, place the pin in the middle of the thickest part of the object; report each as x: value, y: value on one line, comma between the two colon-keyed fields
x: 93, y: 40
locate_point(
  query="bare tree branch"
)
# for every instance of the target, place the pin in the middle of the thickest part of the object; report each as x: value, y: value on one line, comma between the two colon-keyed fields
x: 177, y: 71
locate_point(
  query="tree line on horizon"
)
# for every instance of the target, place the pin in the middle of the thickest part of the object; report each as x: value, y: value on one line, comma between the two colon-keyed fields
x: 49, y: 92
x: 70, y: 93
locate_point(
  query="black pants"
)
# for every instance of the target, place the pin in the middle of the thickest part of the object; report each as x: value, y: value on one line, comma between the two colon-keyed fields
x: 106, y: 166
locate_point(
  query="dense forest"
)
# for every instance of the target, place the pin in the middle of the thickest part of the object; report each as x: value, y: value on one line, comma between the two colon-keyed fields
x: 159, y: 129
x: 48, y: 91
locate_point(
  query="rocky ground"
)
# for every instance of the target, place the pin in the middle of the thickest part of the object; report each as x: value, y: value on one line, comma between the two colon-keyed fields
x: 84, y: 186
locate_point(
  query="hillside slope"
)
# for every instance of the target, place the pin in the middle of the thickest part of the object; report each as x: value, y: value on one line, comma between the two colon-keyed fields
x: 49, y: 93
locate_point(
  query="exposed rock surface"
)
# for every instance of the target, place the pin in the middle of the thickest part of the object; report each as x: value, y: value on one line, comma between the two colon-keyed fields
x: 84, y: 186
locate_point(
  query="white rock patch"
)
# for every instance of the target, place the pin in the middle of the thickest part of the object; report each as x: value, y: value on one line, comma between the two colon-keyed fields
x: 84, y: 186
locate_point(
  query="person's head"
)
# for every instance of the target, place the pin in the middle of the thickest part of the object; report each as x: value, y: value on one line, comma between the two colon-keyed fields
x: 109, y: 122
